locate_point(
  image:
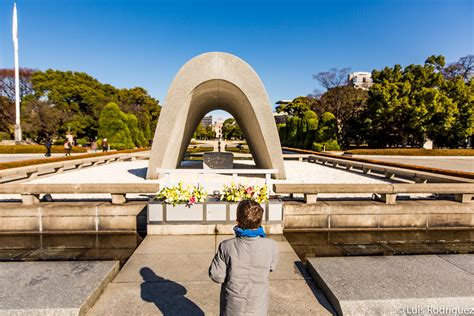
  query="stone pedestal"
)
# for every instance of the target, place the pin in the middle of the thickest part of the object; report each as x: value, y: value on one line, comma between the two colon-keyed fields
x: 218, y: 160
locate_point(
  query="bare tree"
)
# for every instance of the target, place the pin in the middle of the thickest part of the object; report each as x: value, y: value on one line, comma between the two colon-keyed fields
x: 7, y: 82
x: 464, y: 68
x: 333, y: 77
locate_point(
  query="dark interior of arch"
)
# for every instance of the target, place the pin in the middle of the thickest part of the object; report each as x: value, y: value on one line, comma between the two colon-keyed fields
x: 223, y: 95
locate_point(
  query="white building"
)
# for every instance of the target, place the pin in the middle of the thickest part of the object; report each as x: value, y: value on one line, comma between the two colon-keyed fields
x: 206, y: 121
x: 360, y: 80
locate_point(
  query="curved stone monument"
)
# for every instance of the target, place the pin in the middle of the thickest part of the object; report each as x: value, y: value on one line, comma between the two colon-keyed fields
x: 216, y: 81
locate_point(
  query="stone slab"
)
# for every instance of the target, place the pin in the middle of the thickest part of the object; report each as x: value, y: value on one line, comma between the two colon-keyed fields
x: 218, y: 160
x: 162, y: 279
x: 384, y: 285
x: 53, y: 288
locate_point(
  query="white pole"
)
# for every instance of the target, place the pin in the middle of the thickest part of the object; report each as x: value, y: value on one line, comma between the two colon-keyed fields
x: 18, y: 134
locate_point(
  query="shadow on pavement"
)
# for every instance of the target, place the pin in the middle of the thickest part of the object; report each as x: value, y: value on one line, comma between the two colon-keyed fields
x: 168, y: 296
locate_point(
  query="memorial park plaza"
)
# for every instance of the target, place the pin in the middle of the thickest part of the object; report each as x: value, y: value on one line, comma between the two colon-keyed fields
x: 356, y: 236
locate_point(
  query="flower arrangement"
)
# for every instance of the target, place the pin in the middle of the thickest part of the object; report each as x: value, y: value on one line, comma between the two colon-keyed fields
x: 238, y: 192
x: 179, y: 194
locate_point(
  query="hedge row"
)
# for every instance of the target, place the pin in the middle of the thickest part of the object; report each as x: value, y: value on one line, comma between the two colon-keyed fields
x: 199, y: 149
x: 237, y: 150
x: 24, y: 163
x: 453, y: 173
x: 413, y: 152
x: 36, y: 149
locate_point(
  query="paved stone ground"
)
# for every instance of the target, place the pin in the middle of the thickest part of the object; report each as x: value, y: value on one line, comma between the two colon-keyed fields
x: 52, y: 288
x: 169, y: 275
x: 450, y: 163
x: 397, y: 285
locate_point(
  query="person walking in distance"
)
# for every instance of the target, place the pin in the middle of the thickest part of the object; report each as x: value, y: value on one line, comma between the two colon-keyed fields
x: 67, y: 148
x: 94, y: 146
x: 48, y: 145
x: 105, y: 145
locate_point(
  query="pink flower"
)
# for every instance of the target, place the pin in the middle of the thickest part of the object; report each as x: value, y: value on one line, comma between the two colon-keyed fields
x: 192, y: 200
x: 249, y: 191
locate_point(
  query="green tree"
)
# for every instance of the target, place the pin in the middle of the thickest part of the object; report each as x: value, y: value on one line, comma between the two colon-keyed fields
x: 143, y: 106
x: 298, y: 106
x: 41, y: 119
x: 135, y: 132
x: 113, y: 125
x: 79, y: 96
x: 346, y: 103
x: 231, y: 130
x: 407, y: 105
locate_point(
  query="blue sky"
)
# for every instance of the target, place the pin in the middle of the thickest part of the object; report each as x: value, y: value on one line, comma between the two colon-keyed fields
x: 144, y: 42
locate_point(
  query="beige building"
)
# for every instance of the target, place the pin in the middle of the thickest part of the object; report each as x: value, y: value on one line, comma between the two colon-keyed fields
x: 360, y: 80
x: 217, y: 126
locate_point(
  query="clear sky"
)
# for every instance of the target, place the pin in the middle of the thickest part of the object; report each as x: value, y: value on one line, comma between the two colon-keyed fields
x: 144, y: 43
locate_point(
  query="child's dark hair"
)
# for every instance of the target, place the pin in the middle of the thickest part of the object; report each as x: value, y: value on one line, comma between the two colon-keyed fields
x: 249, y: 214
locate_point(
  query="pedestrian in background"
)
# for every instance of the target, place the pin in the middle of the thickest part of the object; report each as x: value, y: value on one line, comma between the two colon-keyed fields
x: 94, y: 146
x: 48, y: 145
x: 67, y: 147
x: 105, y: 145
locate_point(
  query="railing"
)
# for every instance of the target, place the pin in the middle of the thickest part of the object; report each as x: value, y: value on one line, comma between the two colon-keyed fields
x: 47, y: 169
x: 392, y: 173
x: 30, y: 192
x: 463, y: 192
x: 234, y: 172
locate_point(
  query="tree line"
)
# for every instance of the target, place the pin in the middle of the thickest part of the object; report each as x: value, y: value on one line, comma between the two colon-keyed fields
x: 56, y: 102
x: 404, y: 107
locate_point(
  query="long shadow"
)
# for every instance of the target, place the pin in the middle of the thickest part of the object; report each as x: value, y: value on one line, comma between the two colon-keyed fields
x: 317, y: 292
x: 139, y: 172
x: 168, y: 296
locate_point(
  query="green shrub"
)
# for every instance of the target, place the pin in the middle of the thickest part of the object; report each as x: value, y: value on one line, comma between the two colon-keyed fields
x: 5, y: 136
x: 317, y: 146
x: 332, y: 145
x: 36, y: 149
x: 413, y: 152
x: 118, y: 146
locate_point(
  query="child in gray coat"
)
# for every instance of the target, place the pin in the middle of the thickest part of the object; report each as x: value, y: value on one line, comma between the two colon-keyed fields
x: 242, y: 264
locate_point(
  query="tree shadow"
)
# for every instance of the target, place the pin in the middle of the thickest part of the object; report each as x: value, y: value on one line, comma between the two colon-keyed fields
x: 168, y: 296
x: 139, y: 172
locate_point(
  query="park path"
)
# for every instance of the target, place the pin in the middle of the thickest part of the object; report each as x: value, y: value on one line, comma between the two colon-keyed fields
x: 169, y: 275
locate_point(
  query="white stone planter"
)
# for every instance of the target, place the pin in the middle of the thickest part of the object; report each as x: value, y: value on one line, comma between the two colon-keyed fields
x: 211, y: 211
x: 184, y: 213
x: 274, y: 211
x: 216, y: 211
x: 155, y: 211
x: 232, y: 211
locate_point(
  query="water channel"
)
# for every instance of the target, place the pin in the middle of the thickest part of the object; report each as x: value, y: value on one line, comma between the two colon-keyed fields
x: 41, y: 247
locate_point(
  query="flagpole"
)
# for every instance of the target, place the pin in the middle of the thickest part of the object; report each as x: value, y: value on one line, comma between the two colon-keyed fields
x: 18, y: 134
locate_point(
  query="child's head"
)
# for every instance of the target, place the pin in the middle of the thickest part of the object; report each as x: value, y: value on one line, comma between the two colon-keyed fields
x: 249, y: 214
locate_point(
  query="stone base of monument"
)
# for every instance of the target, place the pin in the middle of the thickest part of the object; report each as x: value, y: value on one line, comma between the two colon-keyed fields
x: 213, y: 160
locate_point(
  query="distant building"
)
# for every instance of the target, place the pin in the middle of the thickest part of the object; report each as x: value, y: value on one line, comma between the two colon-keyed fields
x: 206, y: 121
x: 280, y: 118
x: 217, y: 126
x: 360, y: 80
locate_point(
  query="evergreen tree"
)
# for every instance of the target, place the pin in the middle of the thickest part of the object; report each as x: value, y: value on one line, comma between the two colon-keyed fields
x: 113, y: 125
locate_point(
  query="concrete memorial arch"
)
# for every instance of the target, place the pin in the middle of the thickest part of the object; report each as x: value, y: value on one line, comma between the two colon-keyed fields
x: 216, y: 81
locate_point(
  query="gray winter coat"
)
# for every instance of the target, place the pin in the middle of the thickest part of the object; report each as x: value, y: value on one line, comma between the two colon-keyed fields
x: 242, y: 265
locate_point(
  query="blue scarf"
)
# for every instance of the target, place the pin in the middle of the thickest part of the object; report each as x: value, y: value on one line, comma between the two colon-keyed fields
x: 239, y: 232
